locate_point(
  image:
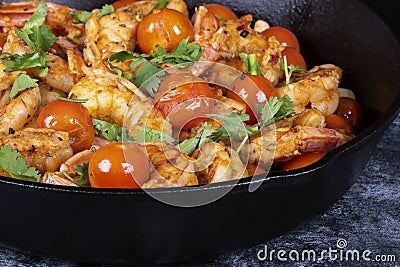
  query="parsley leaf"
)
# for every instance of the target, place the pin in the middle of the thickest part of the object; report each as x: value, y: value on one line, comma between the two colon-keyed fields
x: 161, y: 4
x: 185, y: 52
x: 232, y: 127
x: 275, y: 109
x: 289, y: 70
x: 38, y: 17
x: 149, y: 71
x: 147, y: 134
x: 25, y: 61
x: 111, y: 131
x: 83, y: 172
x: 17, y: 167
x: 38, y: 37
x: 251, y: 63
x: 106, y: 10
x: 21, y: 83
x: 81, y: 17
x: 190, y: 145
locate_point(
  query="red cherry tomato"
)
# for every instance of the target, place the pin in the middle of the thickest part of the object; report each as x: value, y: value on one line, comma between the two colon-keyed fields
x: 221, y: 12
x: 351, y: 110
x: 294, y: 58
x: 119, y: 165
x: 69, y: 117
x: 302, y: 161
x: 183, y: 97
x: 284, y: 36
x: 164, y: 27
x: 122, y: 3
x: 252, y: 89
x: 338, y: 122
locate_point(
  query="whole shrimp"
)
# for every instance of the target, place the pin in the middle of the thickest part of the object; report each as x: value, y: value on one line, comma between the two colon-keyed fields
x: 111, y: 98
x: 318, y: 87
x: 108, y: 35
x: 18, y: 112
x: 171, y: 167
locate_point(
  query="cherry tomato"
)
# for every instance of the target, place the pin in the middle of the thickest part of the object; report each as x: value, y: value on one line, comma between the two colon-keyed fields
x: 164, y: 27
x: 302, y: 161
x: 284, y: 36
x: 122, y: 3
x: 294, y: 58
x: 69, y: 117
x: 252, y: 89
x: 119, y: 165
x: 221, y: 12
x: 338, y: 122
x: 183, y: 97
x: 351, y: 110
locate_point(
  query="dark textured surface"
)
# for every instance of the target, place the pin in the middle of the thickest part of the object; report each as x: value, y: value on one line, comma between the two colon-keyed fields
x: 367, y: 217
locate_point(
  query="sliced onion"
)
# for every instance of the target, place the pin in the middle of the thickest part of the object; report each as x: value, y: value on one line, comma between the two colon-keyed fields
x: 343, y: 92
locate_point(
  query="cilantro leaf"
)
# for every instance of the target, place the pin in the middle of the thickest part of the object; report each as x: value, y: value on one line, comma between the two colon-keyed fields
x: 251, y: 63
x: 161, y: 4
x: 17, y: 167
x: 111, y: 131
x: 25, y: 61
x: 148, y: 76
x: 106, y: 10
x: 147, y: 134
x: 81, y: 17
x: 188, y: 146
x: 21, y: 83
x: 275, y: 109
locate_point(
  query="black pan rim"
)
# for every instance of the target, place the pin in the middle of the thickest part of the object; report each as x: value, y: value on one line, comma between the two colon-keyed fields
x: 294, y: 176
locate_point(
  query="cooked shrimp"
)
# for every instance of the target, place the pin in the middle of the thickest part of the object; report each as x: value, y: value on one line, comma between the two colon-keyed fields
x: 14, y: 45
x: 7, y: 78
x: 43, y: 149
x: 217, y: 162
x: 318, y: 87
x: 309, y: 117
x: 144, y: 7
x: 56, y: 178
x: 58, y: 76
x: 171, y: 167
x: 58, y: 18
x: 290, y: 142
x: 108, y: 35
x: 19, y: 111
x: 111, y: 98
x: 223, y: 42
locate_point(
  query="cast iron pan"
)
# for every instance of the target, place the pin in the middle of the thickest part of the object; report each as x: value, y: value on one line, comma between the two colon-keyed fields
x: 128, y: 226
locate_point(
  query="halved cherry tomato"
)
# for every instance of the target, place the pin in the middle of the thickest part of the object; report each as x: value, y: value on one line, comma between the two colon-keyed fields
x: 183, y: 97
x: 164, y: 27
x: 294, y: 58
x: 221, y: 12
x: 338, y: 122
x: 351, y: 110
x: 69, y: 117
x: 119, y: 165
x: 284, y: 36
x: 302, y: 161
x: 252, y: 89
